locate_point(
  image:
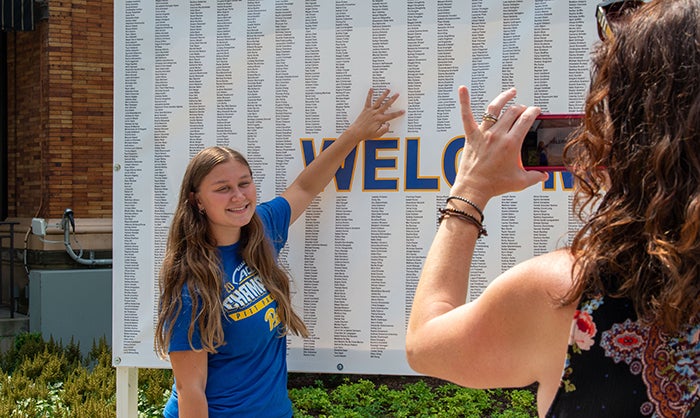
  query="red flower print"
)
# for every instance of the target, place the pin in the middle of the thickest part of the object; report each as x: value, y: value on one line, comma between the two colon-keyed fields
x: 583, y: 330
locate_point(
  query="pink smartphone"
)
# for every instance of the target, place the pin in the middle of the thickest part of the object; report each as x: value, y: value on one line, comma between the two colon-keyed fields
x: 543, y: 146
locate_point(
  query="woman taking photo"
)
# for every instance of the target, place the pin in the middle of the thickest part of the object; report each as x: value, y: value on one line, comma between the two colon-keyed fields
x: 609, y: 327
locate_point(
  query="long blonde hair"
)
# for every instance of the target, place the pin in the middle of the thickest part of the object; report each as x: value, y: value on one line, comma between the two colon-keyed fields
x: 192, y: 259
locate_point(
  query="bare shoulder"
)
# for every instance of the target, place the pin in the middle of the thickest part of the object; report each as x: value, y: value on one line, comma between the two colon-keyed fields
x: 514, y: 334
x: 550, y: 273
x: 550, y: 278
x: 527, y: 326
x: 533, y: 291
x: 539, y: 282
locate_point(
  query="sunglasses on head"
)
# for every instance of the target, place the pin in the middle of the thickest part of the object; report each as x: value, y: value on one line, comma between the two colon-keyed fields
x: 610, y: 11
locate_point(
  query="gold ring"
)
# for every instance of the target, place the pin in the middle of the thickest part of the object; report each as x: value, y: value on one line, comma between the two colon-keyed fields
x: 489, y: 117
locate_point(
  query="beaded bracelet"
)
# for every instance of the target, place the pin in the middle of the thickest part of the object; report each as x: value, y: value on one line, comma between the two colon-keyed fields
x: 447, y: 212
x: 469, y: 202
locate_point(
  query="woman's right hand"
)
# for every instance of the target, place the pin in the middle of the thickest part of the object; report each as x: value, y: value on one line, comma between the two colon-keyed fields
x: 490, y: 164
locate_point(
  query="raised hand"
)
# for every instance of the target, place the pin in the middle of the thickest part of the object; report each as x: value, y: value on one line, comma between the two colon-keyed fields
x: 373, y: 120
x: 490, y: 164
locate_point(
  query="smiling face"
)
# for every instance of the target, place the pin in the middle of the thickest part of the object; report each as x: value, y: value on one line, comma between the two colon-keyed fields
x: 227, y: 197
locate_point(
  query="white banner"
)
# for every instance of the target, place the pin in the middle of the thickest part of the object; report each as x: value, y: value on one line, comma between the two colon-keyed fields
x: 277, y: 79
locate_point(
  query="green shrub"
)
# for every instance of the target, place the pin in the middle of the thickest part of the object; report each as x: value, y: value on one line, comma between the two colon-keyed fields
x: 310, y: 402
x: 363, y: 398
x: 43, y: 379
x: 154, y: 390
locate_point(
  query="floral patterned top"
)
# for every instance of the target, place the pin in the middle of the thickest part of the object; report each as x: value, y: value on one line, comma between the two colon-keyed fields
x: 617, y: 367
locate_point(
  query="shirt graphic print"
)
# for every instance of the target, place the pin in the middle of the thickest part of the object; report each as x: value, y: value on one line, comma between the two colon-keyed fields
x: 245, y: 295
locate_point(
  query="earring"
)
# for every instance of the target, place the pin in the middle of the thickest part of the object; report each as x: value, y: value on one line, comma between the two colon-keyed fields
x: 202, y: 211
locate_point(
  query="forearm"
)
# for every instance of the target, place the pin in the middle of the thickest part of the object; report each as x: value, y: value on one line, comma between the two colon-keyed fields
x: 371, y: 123
x: 444, y: 280
x: 190, y: 371
x: 192, y: 404
x: 314, y: 177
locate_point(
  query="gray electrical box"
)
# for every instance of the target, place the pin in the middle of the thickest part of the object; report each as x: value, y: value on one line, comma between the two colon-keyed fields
x: 69, y: 304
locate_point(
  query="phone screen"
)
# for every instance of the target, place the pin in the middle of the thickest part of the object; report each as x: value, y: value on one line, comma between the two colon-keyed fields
x: 543, y: 147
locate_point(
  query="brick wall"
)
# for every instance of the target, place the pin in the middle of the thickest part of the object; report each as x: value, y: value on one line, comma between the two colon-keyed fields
x: 27, y: 135
x: 60, y: 113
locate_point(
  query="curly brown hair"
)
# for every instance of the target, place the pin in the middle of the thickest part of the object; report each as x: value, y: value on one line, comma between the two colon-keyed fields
x: 642, y: 123
x: 191, y: 259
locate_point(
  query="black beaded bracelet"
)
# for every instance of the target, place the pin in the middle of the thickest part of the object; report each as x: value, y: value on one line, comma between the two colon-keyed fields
x: 469, y: 202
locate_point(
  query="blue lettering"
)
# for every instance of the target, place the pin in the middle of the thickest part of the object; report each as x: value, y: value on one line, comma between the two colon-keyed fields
x: 567, y: 181
x: 373, y: 163
x: 413, y: 179
x: 450, y: 159
x: 344, y: 175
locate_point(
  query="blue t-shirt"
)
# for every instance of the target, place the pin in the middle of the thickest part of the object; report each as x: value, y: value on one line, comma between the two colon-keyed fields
x: 247, y: 377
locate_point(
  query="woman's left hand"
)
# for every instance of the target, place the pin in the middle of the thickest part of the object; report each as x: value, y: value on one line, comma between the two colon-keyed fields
x: 490, y: 164
x: 372, y: 122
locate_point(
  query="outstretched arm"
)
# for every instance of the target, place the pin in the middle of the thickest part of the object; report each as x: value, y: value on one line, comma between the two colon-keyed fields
x: 372, y: 122
x: 497, y: 340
